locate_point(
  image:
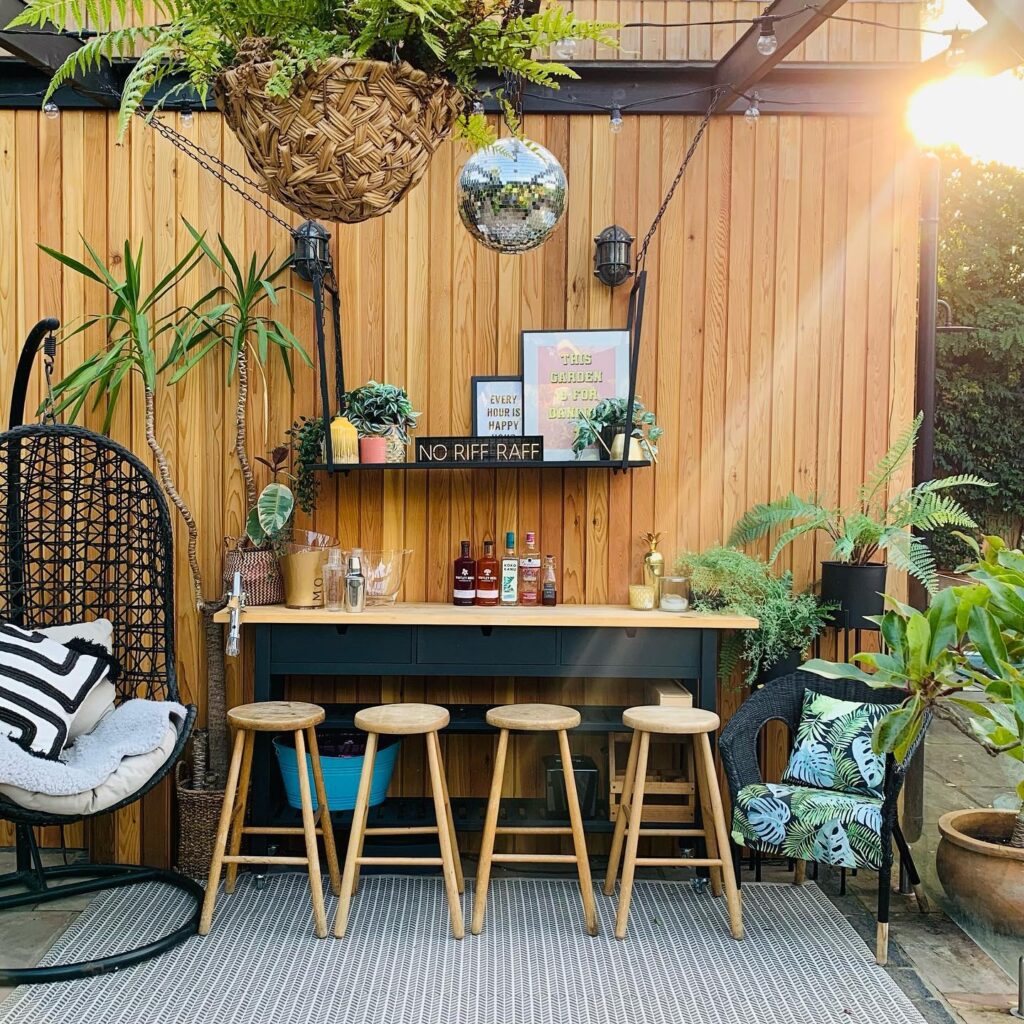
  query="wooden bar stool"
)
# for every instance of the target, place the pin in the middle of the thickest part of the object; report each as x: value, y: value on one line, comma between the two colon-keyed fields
x: 403, y: 720
x: 533, y: 718
x: 247, y: 720
x: 672, y: 721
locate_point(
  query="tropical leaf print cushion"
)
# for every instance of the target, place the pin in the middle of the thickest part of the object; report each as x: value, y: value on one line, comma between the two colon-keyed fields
x: 832, y: 749
x: 841, y: 829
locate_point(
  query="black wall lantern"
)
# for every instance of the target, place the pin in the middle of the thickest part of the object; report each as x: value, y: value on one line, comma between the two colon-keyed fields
x: 311, y: 249
x: 613, y: 259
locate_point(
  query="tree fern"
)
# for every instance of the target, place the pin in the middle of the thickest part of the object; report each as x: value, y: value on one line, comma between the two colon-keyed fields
x: 761, y: 519
x: 899, y: 451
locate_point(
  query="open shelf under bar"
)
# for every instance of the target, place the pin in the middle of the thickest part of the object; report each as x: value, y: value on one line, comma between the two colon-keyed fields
x: 340, y: 467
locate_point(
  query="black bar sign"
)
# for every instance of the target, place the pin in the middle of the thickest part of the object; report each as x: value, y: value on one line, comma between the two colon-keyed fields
x: 479, y: 449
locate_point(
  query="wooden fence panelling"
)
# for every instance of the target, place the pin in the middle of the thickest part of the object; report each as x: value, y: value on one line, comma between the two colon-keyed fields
x: 779, y: 349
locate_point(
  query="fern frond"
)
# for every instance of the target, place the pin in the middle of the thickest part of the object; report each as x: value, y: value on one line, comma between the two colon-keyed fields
x: 117, y: 43
x: 899, y: 451
x: 911, y: 555
x: 148, y: 70
x: 761, y: 519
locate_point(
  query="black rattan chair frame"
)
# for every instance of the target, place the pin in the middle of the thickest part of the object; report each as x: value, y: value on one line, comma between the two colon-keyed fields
x: 85, y: 533
x: 782, y: 701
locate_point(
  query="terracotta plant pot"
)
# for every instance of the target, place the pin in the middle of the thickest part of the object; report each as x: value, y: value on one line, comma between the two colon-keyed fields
x: 983, y: 875
x: 373, y: 450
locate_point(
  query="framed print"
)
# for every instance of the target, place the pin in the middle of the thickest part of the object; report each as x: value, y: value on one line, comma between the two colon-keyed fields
x: 497, y: 406
x: 565, y: 372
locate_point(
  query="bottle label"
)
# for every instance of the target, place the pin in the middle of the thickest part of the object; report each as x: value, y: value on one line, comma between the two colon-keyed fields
x: 465, y: 585
x: 509, y: 581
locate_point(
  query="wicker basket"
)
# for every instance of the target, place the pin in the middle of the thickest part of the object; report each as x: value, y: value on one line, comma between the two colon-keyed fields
x: 198, y: 818
x: 261, y: 574
x: 352, y: 138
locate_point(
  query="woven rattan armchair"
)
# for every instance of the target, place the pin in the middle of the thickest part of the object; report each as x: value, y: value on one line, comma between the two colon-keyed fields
x: 85, y: 534
x: 782, y: 700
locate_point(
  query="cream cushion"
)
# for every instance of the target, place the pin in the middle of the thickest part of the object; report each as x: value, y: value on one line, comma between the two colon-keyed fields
x: 101, y: 701
x: 133, y: 773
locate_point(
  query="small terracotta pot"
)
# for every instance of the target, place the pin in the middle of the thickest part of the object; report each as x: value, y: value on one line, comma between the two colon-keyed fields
x: 985, y: 877
x: 373, y: 449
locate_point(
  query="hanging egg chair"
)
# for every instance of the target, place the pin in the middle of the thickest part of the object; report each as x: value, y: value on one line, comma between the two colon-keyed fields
x: 352, y: 138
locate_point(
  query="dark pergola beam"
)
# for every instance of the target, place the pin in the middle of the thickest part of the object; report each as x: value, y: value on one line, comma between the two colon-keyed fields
x: 1004, y: 15
x: 742, y: 68
x: 990, y: 50
x: 48, y: 50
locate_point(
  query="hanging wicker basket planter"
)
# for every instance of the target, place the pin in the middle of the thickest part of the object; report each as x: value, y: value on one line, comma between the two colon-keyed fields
x: 348, y: 143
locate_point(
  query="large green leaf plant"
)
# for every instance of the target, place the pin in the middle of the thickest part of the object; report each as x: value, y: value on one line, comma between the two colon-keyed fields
x: 970, y: 637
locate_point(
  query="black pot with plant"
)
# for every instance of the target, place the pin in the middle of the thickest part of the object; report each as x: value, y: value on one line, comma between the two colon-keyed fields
x: 882, y: 523
x: 607, y: 420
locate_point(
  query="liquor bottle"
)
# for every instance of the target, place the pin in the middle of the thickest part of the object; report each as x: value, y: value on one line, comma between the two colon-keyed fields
x: 465, y: 577
x: 549, y: 585
x: 510, y: 572
x: 529, y: 572
x: 488, y: 584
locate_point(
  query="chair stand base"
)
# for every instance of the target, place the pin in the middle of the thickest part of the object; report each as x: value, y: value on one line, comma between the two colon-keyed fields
x: 93, y: 878
x: 882, y: 944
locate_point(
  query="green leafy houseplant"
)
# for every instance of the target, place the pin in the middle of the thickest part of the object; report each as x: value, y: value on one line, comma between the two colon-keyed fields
x: 306, y: 438
x: 970, y: 636
x: 271, y: 514
x: 877, y: 523
x: 727, y: 580
x: 610, y: 413
x: 375, y: 409
x: 146, y: 344
x: 450, y: 39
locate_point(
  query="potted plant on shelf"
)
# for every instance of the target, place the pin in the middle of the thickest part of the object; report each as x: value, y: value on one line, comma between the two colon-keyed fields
x: 606, y: 424
x: 970, y: 636
x: 402, y: 75
x: 878, y: 524
x: 383, y: 416
x: 725, y: 579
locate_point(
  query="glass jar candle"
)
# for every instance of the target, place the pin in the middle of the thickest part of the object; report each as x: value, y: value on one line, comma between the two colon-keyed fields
x: 641, y: 596
x: 674, y: 594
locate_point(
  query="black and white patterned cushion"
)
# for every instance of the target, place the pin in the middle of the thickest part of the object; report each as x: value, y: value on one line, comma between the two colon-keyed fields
x: 42, y: 685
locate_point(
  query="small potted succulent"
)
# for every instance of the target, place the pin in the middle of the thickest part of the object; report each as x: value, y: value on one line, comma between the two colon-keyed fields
x: 383, y: 415
x: 605, y: 426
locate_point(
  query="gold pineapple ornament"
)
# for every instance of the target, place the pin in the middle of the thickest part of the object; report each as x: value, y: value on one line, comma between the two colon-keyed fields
x: 654, y: 560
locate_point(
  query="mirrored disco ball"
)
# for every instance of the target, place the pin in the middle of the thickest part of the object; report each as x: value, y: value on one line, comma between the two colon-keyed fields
x: 511, y: 195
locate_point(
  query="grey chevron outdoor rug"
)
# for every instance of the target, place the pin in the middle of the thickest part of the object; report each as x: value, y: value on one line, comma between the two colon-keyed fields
x: 801, y: 962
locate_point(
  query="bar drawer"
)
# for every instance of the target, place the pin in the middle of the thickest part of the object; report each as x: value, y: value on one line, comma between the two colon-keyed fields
x: 630, y: 649
x: 351, y: 645
x: 502, y: 648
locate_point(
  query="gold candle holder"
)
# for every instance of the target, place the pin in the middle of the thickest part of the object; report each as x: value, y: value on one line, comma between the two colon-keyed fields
x: 641, y: 596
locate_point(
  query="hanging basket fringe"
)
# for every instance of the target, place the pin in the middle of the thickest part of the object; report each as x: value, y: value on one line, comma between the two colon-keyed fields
x: 348, y: 143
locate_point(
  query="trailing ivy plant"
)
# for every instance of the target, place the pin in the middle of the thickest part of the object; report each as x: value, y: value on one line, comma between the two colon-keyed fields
x: 452, y: 39
x: 877, y: 522
x: 306, y: 437
x: 728, y: 580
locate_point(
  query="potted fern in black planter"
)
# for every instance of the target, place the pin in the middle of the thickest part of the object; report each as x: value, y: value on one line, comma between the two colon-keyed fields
x: 879, y: 524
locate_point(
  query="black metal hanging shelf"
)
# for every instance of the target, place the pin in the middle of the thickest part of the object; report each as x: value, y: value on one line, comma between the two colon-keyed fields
x: 346, y: 468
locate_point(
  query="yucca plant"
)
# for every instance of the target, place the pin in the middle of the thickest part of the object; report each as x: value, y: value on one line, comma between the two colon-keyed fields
x: 877, y: 523
x: 453, y: 39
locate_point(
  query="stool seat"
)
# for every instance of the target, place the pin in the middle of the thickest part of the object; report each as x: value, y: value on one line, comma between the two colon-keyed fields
x: 402, y: 719
x: 533, y: 717
x: 276, y: 716
x: 669, y: 720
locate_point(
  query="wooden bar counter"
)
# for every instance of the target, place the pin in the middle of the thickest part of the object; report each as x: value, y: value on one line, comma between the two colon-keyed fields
x: 573, y: 647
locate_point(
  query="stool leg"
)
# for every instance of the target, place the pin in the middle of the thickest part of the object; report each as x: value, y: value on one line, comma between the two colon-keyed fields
x: 444, y: 836
x: 316, y: 888
x: 483, y: 869
x: 362, y: 825
x: 620, y: 819
x: 732, y: 895
x: 355, y: 839
x: 708, y: 823
x: 330, y: 850
x: 579, y: 840
x: 238, y: 818
x: 636, y: 812
x: 222, y: 834
x: 450, y: 821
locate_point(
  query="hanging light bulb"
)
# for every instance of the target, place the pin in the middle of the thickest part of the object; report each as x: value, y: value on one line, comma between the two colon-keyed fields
x: 478, y: 107
x: 615, y: 121
x: 956, y: 52
x: 187, y: 117
x: 564, y: 49
x: 753, y: 112
x: 51, y: 110
x: 767, y: 40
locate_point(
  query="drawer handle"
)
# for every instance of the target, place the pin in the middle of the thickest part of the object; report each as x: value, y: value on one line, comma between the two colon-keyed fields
x: 341, y: 630
x: 631, y: 632
x: 486, y: 630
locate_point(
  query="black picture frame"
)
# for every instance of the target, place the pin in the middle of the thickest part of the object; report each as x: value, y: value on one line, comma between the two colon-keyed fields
x: 475, y: 383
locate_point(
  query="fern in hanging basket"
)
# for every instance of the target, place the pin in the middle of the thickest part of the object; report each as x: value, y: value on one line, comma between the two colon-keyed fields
x: 338, y: 108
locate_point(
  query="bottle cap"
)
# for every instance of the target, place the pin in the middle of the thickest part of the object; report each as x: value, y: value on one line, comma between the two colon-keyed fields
x: 510, y: 539
x: 530, y: 537
x: 354, y: 561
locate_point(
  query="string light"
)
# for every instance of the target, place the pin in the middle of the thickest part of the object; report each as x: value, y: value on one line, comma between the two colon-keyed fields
x: 564, y: 49
x: 767, y: 40
x: 615, y: 121
x: 956, y: 52
x: 478, y: 107
x: 187, y: 117
x: 51, y: 110
x: 753, y: 112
